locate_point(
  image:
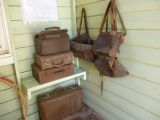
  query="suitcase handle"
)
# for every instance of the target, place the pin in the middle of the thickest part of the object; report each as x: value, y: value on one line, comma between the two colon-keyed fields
x: 58, y: 65
x: 58, y: 90
x: 55, y: 72
x: 62, y: 89
x: 52, y: 28
x: 59, y: 71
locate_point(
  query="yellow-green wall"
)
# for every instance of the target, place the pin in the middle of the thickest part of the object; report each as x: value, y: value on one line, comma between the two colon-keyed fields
x: 22, y: 36
x: 136, y: 97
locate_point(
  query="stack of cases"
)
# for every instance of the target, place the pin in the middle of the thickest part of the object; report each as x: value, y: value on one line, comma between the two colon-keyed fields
x: 53, y: 58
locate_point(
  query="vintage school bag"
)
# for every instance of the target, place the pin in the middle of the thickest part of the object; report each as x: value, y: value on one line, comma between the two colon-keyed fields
x: 108, y: 43
x: 82, y: 44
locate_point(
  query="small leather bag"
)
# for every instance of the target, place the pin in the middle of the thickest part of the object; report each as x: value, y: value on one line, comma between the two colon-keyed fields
x: 108, y: 42
x: 107, y: 45
x: 82, y: 44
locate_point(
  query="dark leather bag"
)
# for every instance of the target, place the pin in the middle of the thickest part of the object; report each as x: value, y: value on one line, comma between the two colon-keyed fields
x: 44, y: 76
x: 52, y: 40
x: 82, y: 44
x: 53, y: 61
x: 117, y: 70
x: 107, y: 46
x: 108, y: 43
x: 60, y: 103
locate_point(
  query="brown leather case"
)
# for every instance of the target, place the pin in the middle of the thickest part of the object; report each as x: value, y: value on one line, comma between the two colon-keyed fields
x: 53, y: 61
x: 52, y: 41
x: 58, y: 105
x: 44, y: 76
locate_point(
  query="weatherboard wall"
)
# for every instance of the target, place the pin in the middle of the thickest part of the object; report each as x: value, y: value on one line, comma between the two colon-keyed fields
x: 137, y: 96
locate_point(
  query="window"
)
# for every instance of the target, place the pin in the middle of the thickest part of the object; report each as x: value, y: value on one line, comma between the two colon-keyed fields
x: 5, y: 47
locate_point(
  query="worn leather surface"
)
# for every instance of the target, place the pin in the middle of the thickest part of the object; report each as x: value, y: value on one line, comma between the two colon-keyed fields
x: 81, y: 48
x: 83, y: 38
x: 102, y: 64
x: 108, y: 43
x: 82, y: 44
x: 53, y: 61
x: 44, y: 76
x: 52, y: 41
x: 60, y: 104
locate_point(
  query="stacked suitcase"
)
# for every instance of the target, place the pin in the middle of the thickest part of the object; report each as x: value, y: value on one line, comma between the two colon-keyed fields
x: 65, y: 104
x: 53, y: 58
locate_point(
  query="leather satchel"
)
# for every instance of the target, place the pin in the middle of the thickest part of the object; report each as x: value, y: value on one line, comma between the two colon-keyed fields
x: 82, y: 44
x: 108, y: 43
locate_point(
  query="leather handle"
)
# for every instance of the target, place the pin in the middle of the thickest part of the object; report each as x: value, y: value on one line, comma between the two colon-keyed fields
x: 105, y: 18
x: 59, y: 90
x: 52, y: 28
x: 114, y: 16
x: 114, y: 12
x: 58, y: 65
x: 84, y: 16
x: 61, y: 70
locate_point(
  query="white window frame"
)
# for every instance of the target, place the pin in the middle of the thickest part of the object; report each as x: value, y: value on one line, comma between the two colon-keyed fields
x: 6, y: 56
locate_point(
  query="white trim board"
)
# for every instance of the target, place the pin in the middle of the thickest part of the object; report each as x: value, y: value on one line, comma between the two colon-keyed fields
x: 5, y: 44
x: 30, y: 85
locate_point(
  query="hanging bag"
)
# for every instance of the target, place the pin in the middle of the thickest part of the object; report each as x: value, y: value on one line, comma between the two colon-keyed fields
x: 82, y: 44
x: 108, y: 43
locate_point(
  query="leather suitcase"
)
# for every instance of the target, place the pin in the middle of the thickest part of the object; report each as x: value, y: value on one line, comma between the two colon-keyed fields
x: 52, y: 40
x: 58, y: 105
x: 44, y: 76
x: 54, y: 61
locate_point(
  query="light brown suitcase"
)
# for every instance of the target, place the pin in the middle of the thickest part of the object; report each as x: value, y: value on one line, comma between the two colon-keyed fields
x: 44, y: 76
x: 58, y: 105
x: 52, y: 40
x: 53, y: 61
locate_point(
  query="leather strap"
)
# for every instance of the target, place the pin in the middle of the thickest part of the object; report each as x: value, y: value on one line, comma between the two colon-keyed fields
x: 125, y: 32
x: 114, y: 15
x: 83, y: 15
x: 104, y: 18
x: 102, y: 84
x: 114, y: 11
